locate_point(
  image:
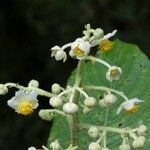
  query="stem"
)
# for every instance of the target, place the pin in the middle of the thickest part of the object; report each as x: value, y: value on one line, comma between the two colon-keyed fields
x: 98, y: 60
x: 64, y: 92
x: 101, y: 88
x: 108, y: 129
x: 83, y: 92
x: 73, y: 121
x: 105, y: 132
x: 29, y: 89
x: 54, y: 111
x: 106, y: 117
x: 66, y: 46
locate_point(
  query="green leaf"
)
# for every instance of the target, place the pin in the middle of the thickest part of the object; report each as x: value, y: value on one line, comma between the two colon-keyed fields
x: 134, y: 83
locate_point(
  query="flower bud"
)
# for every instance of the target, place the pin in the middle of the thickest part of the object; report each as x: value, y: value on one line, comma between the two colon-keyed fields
x: 93, y: 132
x: 3, y: 89
x: 94, y: 146
x: 86, y: 110
x: 55, y: 145
x: 102, y: 103
x: 124, y: 147
x: 33, y: 83
x: 98, y: 33
x: 139, y: 142
x: 110, y: 99
x: 32, y: 148
x: 142, y: 129
x: 46, y: 115
x: 55, y: 102
x: 56, y: 88
x: 70, y: 108
x: 105, y: 148
x: 90, y: 102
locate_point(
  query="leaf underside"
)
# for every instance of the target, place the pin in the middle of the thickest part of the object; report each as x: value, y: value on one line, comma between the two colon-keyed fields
x: 135, y: 82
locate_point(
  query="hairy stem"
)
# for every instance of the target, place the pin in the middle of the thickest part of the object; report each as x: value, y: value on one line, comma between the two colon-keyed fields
x: 74, y: 118
x: 29, y: 89
x: 101, y: 88
x: 125, y: 131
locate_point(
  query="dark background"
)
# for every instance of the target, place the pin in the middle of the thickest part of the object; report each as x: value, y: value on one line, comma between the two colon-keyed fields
x: 29, y: 28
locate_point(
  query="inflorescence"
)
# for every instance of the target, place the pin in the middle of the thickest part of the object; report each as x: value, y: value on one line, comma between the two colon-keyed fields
x: 64, y: 101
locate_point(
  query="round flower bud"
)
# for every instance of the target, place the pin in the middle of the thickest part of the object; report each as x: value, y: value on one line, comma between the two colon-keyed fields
x: 33, y: 83
x: 86, y: 110
x: 46, y: 115
x: 93, y: 132
x: 55, y: 102
x: 56, y: 88
x: 90, y: 102
x: 70, y: 108
x: 103, y: 104
x: 55, y: 145
x: 3, y: 89
x: 105, y: 148
x: 139, y: 142
x: 94, y: 146
x: 142, y: 129
x: 32, y: 148
x: 110, y: 99
x: 98, y: 33
x: 124, y: 147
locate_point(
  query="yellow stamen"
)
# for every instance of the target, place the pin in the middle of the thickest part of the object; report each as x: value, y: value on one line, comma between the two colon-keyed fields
x: 114, y: 73
x: 25, y: 108
x: 105, y: 45
x: 133, y: 110
x: 78, y: 52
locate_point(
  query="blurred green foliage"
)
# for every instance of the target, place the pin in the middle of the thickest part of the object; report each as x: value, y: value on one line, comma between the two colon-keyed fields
x: 27, y: 31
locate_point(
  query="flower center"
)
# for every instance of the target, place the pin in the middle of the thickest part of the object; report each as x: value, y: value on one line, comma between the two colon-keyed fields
x: 105, y: 45
x: 134, y: 109
x: 78, y: 52
x: 25, y: 108
x: 114, y: 73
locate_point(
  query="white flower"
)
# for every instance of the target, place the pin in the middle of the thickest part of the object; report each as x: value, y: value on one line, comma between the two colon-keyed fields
x: 33, y: 83
x: 80, y: 49
x: 93, y: 132
x: 58, y: 53
x: 90, y: 101
x: 56, y: 89
x: 94, y: 146
x: 139, y: 142
x: 55, y: 101
x: 24, y: 103
x: 113, y: 73
x: 70, y: 108
x: 130, y: 106
x: 3, y: 89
